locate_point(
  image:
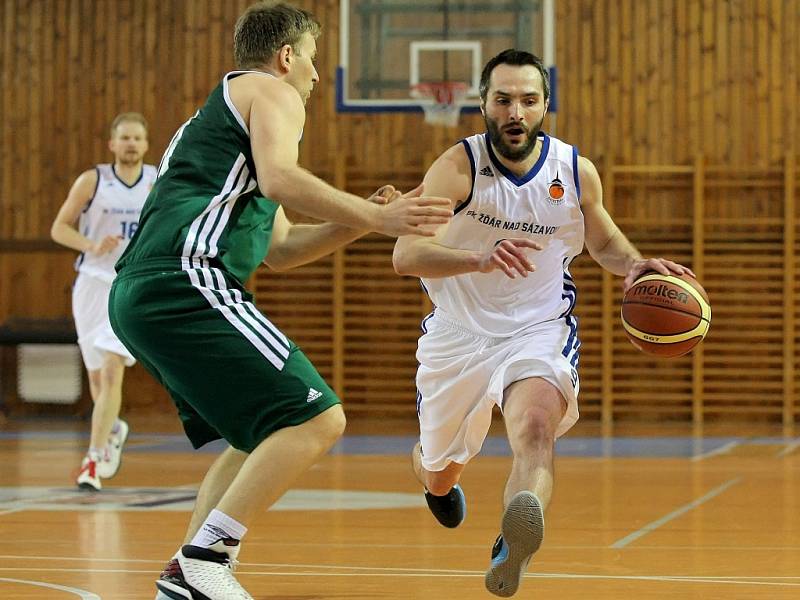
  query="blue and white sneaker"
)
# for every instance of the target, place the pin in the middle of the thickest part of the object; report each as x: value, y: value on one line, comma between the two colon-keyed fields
x: 521, y: 535
x: 451, y: 509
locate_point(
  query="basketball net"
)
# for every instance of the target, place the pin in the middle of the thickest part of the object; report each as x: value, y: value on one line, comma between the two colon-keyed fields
x: 444, y: 101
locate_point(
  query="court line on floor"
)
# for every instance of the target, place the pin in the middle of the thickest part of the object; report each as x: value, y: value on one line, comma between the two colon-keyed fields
x: 84, y: 594
x: 632, y: 537
x: 724, y: 449
x: 788, y: 449
x: 398, y: 572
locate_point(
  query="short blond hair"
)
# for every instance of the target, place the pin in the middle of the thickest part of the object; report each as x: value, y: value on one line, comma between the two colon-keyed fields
x: 265, y: 27
x: 128, y: 117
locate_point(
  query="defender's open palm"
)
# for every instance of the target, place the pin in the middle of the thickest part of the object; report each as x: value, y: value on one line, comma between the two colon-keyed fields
x: 413, y: 214
x: 510, y: 256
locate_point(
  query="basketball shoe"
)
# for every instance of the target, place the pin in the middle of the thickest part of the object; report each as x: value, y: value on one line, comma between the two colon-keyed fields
x: 108, y: 466
x: 88, y: 479
x: 521, y: 535
x: 197, y: 573
x: 451, y: 509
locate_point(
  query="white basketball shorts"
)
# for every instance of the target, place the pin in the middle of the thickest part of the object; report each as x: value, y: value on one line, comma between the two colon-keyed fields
x: 462, y: 375
x: 90, y: 310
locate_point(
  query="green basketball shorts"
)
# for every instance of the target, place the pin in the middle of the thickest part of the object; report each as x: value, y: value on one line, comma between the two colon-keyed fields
x: 231, y: 373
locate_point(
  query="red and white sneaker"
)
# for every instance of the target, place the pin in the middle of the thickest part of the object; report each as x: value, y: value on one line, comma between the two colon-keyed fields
x: 108, y: 466
x: 88, y: 479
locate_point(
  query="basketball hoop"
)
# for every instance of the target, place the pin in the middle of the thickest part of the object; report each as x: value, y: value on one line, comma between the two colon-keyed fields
x: 444, y: 100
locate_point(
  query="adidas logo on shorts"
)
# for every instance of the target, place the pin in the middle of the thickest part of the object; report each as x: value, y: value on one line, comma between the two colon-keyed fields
x: 312, y: 395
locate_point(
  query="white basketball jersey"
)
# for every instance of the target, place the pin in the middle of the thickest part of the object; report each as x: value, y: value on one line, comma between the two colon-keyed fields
x: 543, y: 205
x: 113, y: 210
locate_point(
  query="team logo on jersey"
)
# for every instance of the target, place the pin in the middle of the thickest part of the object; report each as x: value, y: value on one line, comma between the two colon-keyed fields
x: 555, y: 191
x: 487, y: 170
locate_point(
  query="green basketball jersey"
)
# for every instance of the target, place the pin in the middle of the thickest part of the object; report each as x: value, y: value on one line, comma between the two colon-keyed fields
x: 205, y: 207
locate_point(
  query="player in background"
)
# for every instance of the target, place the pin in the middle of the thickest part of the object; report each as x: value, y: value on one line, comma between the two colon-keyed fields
x: 502, y: 331
x: 98, y: 219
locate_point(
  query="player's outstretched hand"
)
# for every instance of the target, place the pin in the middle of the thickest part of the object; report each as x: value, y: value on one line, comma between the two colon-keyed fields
x: 414, y: 214
x: 104, y: 246
x: 660, y: 265
x: 510, y: 257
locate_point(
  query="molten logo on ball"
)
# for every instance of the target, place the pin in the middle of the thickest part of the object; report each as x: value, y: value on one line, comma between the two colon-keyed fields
x: 660, y: 290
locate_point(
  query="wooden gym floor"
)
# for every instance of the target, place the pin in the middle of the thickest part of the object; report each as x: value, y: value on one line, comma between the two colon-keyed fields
x: 636, y: 518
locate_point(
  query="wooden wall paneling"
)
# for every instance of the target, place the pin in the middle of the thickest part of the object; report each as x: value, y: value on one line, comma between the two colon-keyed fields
x: 33, y: 162
x: 6, y: 116
x: 695, y: 76
x: 776, y: 129
x: 722, y: 79
x: 708, y: 95
x: 613, y: 81
x: 21, y: 121
x: 698, y: 267
x: 763, y: 104
x: 789, y: 296
x: 626, y: 121
x: 666, y: 80
x: 738, y: 77
x: 46, y: 190
x: 790, y: 59
x: 743, y: 257
x: 338, y: 305
x: 585, y: 49
x: 382, y: 327
x: 607, y: 335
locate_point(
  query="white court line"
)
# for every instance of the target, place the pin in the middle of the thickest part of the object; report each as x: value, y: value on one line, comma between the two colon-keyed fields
x: 724, y: 449
x: 621, y: 543
x: 12, y: 510
x: 391, y: 572
x: 788, y: 449
x: 83, y: 594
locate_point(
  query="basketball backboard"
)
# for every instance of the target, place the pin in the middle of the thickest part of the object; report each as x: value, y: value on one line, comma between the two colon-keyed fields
x: 387, y: 47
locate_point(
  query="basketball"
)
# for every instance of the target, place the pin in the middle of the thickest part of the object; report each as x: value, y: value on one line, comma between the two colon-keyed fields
x: 666, y: 315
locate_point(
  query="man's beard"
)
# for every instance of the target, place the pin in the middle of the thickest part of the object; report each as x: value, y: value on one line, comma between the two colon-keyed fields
x: 130, y: 158
x: 511, y: 153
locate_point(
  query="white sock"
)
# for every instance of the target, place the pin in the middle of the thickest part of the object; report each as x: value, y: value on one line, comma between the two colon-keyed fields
x: 95, y: 454
x: 218, y: 526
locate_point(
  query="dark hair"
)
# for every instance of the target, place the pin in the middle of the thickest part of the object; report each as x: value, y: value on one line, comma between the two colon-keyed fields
x: 265, y: 27
x: 516, y: 58
x: 128, y: 117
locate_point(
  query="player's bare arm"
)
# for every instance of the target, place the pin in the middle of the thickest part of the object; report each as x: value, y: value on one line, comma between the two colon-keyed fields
x: 451, y: 176
x: 605, y: 241
x: 63, y: 230
x: 276, y: 116
x: 295, y: 244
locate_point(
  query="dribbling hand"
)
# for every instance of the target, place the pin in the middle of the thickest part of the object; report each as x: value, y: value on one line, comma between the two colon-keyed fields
x: 510, y: 257
x: 660, y: 265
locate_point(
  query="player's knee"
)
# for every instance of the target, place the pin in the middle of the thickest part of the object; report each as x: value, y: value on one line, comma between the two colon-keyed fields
x: 534, y: 427
x: 333, y: 425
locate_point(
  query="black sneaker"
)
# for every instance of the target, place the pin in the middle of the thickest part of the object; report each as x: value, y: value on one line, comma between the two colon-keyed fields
x: 451, y: 509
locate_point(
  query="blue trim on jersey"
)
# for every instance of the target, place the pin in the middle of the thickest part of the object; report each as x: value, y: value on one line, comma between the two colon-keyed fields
x: 461, y: 206
x: 425, y: 321
x: 94, y: 193
x: 135, y: 183
x: 575, y: 172
x: 520, y: 181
